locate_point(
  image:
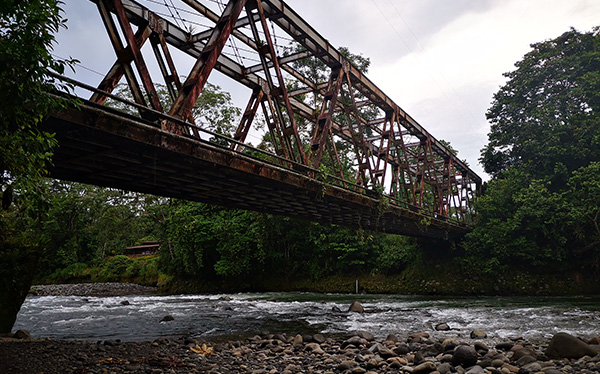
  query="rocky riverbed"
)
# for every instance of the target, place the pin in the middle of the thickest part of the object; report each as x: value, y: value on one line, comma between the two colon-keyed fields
x: 91, y: 289
x: 356, y: 353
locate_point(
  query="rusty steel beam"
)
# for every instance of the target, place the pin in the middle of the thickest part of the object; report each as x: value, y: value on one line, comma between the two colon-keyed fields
x: 136, y: 55
x: 391, y: 148
x: 182, y: 106
x: 101, y: 146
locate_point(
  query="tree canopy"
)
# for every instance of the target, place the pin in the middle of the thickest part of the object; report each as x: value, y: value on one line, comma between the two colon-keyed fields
x: 542, y: 206
x: 545, y: 118
x: 27, y: 31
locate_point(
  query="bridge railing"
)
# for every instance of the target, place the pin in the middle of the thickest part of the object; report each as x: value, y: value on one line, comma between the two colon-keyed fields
x: 355, y: 137
x: 228, y: 144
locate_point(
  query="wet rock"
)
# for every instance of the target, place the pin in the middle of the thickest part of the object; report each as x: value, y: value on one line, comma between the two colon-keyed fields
x: 314, y: 348
x: 401, y: 349
x: 125, y: 302
x: 532, y: 367
x: 392, y: 338
x: 479, y: 346
x: 22, y: 334
x: 476, y: 370
x: 346, y: 365
x: 419, y: 335
x: 424, y: 368
x: 442, y: 327
x: 167, y: 318
x: 386, y: 352
x: 319, y: 338
x: 520, y: 352
x: 444, y: 368
x: 450, y: 344
x: 594, y: 341
x: 280, y: 337
x: 356, y: 341
x: 298, y: 340
x: 356, y: 307
x: 505, y: 346
x: 478, y: 334
x: 335, y: 309
x: 509, y: 368
x: 365, y: 335
x: 465, y: 356
x: 564, y: 345
x: 524, y: 360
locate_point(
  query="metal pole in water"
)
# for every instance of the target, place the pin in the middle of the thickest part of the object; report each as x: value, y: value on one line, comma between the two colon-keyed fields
x: 357, y: 286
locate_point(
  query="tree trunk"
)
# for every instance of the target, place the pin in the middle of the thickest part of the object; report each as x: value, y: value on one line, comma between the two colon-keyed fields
x: 18, y: 265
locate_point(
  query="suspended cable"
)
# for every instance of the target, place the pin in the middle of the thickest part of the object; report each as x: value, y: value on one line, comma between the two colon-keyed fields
x: 79, y: 64
x: 172, y: 16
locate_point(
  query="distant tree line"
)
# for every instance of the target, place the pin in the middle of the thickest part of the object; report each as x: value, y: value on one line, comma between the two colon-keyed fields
x: 542, y: 207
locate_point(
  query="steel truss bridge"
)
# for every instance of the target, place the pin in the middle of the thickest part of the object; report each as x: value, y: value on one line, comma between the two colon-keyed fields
x: 339, y: 150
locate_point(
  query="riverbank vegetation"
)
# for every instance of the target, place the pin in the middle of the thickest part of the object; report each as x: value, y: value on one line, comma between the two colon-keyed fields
x: 537, y: 229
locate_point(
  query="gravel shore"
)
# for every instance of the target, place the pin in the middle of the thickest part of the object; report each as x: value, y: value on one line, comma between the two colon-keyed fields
x: 91, y: 289
x: 274, y: 354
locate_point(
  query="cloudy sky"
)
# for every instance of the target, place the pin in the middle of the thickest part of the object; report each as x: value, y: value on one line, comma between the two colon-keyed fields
x: 440, y: 60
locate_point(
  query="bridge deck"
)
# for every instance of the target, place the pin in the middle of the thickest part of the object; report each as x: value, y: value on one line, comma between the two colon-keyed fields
x: 100, y: 146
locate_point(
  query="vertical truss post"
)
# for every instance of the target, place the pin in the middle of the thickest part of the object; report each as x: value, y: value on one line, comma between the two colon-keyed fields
x: 362, y: 148
x: 246, y: 121
x: 384, y: 148
x: 190, y: 91
x: 323, y: 125
x: 136, y: 53
x: 291, y: 130
x: 124, y: 56
x: 116, y: 72
x: 335, y: 158
x: 272, y: 111
x: 406, y: 174
x: 167, y: 68
x: 279, y: 141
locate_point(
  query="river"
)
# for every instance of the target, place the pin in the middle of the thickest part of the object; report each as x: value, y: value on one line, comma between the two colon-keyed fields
x: 219, y: 317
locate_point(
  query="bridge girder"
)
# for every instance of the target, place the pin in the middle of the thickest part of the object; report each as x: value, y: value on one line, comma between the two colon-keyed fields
x: 391, y: 151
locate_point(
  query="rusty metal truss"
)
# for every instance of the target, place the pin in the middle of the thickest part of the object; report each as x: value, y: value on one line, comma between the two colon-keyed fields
x: 330, y: 123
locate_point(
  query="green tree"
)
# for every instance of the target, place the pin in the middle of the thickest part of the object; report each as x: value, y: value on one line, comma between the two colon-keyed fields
x: 584, y: 197
x: 27, y: 31
x: 541, y: 207
x: 213, y: 111
x: 86, y: 223
x: 520, y: 223
x: 545, y: 118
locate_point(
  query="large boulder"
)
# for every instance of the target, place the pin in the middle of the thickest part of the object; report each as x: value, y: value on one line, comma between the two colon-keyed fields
x: 356, y: 307
x: 465, y: 356
x: 564, y: 345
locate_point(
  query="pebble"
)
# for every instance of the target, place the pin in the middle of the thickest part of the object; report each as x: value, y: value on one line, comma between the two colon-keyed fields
x: 358, y: 353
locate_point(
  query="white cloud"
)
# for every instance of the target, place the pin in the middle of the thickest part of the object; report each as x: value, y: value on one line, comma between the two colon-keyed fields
x: 440, y: 60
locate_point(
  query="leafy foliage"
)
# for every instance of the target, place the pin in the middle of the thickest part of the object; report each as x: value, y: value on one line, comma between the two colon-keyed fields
x: 541, y: 209
x: 545, y: 117
x: 26, y: 37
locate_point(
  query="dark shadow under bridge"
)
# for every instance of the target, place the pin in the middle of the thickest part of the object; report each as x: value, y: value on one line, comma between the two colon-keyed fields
x: 386, y: 172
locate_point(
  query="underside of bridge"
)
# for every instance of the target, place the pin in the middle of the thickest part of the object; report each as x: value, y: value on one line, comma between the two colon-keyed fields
x: 103, y: 147
x: 358, y: 159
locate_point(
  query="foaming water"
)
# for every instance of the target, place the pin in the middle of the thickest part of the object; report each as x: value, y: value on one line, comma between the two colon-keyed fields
x: 137, y: 318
